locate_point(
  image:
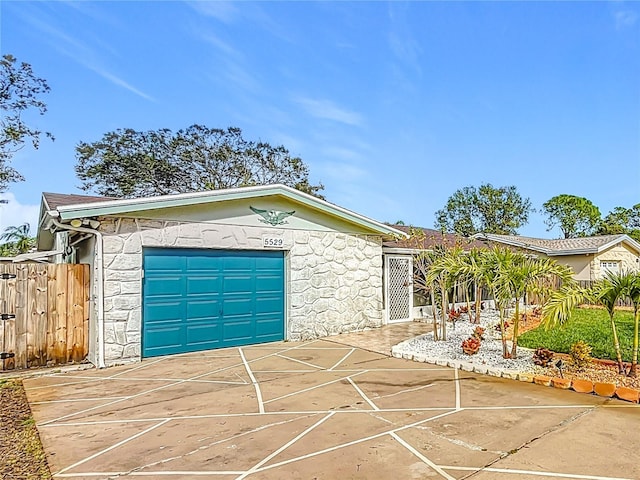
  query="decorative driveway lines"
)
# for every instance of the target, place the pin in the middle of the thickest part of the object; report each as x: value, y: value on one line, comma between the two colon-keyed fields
x: 322, y: 409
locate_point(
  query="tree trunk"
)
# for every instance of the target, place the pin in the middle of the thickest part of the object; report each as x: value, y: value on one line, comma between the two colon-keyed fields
x: 503, y: 333
x: 634, y: 358
x: 445, y: 304
x: 434, y: 313
x: 616, y: 345
x: 478, y: 300
x: 466, y: 297
x: 516, y: 324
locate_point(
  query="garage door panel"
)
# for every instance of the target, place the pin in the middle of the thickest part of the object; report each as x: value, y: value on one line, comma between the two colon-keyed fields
x: 203, y: 285
x: 239, y: 263
x: 239, y: 284
x: 268, y: 327
x: 161, y: 338
x: 165, y: 263
x: 271, y: 283
x: 241, y: 330
x: 269, y: 305
x: 163, y: 286
x: 203, y: 309
x: 226, y: 298
x: 158, y: 312
x: 235, y: 307
x: 204, y: 263
x: 209, y: 334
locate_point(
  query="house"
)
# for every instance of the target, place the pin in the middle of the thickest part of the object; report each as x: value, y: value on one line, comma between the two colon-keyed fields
x: 589, y: 257
x: 197, y: 271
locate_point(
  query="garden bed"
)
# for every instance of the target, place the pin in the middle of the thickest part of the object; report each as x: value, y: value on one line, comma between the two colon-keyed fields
x: 489, y: 357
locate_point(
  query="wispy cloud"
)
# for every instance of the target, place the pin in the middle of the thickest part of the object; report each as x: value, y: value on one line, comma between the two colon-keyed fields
x: 401, y: 40
x: 226, y: 12
x: 342, y: 171
x: 80, y: 51
x: 328, y: 110
x: 625, y: 19
x: 119, y: 82
x: 220, y: 44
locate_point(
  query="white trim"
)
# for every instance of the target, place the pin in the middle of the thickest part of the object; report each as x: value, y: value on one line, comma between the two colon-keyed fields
x: 119, y: 206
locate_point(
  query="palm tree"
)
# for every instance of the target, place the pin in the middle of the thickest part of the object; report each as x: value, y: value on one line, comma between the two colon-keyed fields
x: 631, y: 288
x: 19, y: 238
x: 605, y: 292
x: 444, y: 274
x: 495, y: 261
x: 520, y: 274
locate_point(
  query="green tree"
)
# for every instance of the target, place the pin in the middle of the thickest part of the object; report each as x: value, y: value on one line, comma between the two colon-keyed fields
x: 575, y: 216
x: 485, y: 209
x: 20, y: 91
x: 622, y: 220
x: 129, y: 163
x: 18, y: 239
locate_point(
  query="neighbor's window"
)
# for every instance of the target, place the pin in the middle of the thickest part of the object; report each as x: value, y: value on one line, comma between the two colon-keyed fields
x: 613, y: 267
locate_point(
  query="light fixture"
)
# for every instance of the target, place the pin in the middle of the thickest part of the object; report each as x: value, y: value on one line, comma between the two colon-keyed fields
x: 76, y: 222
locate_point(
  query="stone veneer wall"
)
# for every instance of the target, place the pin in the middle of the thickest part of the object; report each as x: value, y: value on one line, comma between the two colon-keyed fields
x: 620, y: 253
x: 334, y: 280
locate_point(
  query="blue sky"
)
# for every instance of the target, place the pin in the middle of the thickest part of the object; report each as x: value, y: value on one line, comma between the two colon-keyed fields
x: 394, y: 106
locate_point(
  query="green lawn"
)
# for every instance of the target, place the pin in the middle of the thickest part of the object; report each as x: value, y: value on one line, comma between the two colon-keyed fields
x: 590, y: 325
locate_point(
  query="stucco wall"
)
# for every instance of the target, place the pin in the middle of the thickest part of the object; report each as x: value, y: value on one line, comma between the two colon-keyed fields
x: 581, y: 264
x: 334, y: 280
x: 620, y: 253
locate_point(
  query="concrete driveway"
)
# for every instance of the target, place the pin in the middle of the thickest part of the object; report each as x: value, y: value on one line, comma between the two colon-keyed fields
x: 323, y: 410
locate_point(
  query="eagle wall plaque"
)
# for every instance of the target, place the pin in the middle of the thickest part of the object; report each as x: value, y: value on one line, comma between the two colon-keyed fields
x: 272, y: 217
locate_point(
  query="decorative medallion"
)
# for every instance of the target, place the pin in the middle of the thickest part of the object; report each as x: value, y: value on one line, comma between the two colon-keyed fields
x: 272, y: 217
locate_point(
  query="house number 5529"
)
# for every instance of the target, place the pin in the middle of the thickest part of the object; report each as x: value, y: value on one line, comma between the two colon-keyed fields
x: 272, y: 242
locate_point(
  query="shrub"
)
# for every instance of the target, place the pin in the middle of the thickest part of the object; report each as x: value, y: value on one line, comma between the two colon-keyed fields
x: 542, y: 357
x: 506, y: 325
x: 463, y: 309
x: 454, y: 315
x: 471, y: 345
x: 580, y: 354
x: 478, y: 332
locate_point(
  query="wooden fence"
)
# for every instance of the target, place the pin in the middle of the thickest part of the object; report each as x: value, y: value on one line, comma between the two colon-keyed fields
x: 44, y: 311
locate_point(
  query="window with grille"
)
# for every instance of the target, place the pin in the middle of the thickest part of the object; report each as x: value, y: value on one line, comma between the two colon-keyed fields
x: 608, y: 266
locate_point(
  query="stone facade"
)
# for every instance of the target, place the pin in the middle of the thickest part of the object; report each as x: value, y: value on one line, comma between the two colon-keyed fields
x: 334, y: 280
x: 626, y: 258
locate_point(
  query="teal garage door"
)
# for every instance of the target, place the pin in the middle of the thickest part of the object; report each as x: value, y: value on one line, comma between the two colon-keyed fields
x: 196, y: 299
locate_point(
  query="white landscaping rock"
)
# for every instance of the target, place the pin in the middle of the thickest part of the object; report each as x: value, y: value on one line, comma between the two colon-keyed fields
x: 449, y: 353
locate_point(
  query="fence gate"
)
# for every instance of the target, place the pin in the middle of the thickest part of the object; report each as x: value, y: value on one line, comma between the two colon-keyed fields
x: 44, y: 314
x: 399, y: 287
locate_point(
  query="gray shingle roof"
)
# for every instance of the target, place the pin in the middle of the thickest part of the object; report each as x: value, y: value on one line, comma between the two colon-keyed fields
x: 55, y: 200
x: 560, y: 246
x: 432, y: 238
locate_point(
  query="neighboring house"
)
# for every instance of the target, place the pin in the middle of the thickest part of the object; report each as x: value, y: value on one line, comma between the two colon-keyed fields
x: 196, y: 271
x: 402, y: 302
x: 589, y: 257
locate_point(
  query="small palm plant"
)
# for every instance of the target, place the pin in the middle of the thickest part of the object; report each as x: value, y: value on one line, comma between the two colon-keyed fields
x: 18, y: 237
x: 605, y: 292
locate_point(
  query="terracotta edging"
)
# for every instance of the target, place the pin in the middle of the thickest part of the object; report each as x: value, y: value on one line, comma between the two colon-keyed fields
x: 577, y: 385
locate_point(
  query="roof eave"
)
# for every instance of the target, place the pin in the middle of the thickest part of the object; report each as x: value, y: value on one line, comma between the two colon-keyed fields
x: 116, y: 207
